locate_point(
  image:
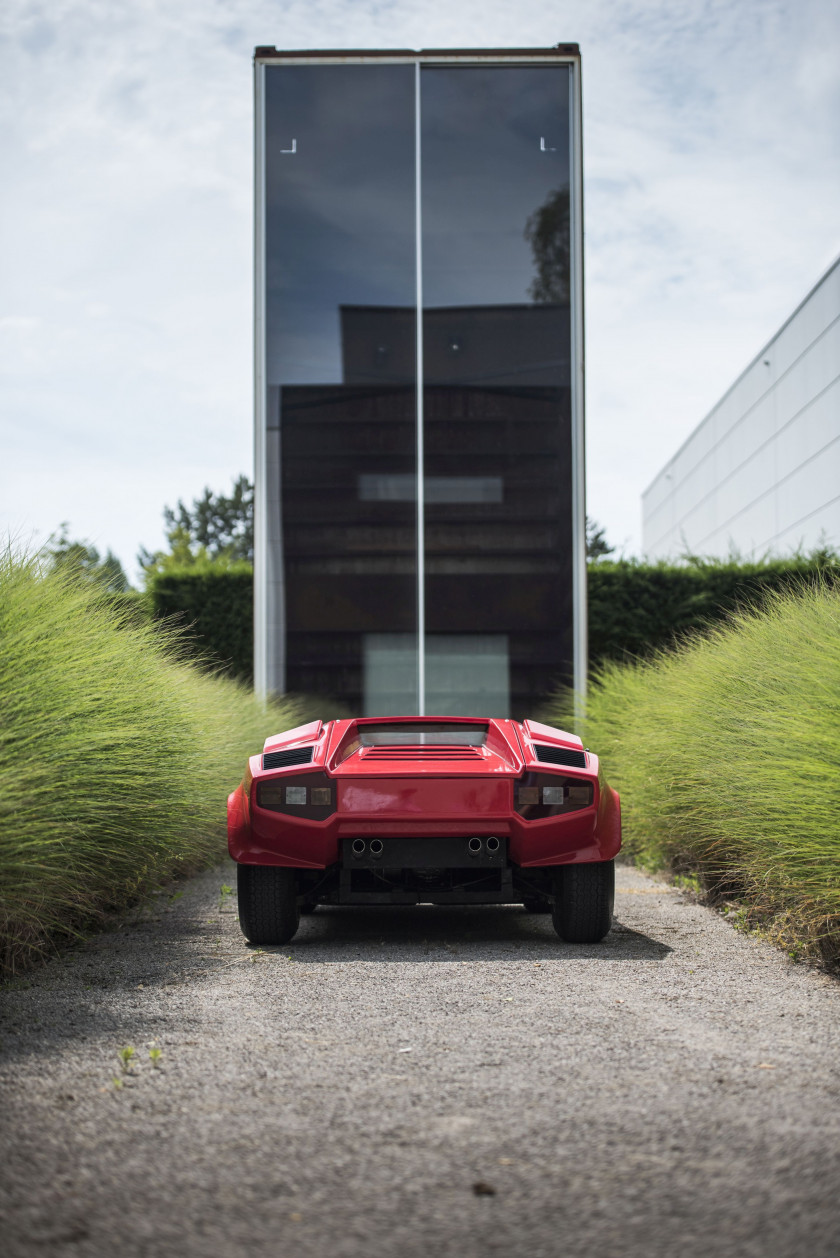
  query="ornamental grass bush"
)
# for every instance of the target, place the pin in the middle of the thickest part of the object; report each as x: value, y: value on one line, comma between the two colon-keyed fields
x: 116, y: 756
x: 726, y: 752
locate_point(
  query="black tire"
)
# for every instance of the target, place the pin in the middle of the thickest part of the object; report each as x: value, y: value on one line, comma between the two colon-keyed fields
x: 535, y: 904
x: 583, y: 901
x: 268, y: 911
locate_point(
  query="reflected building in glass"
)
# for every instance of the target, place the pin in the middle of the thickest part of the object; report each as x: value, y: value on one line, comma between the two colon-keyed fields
x: 419, y: 392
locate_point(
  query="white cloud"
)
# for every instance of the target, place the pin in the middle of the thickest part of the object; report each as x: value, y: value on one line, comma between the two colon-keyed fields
x: 712, y: 167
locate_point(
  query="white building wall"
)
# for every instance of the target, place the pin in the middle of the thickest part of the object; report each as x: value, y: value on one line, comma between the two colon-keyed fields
x: 761, y: 473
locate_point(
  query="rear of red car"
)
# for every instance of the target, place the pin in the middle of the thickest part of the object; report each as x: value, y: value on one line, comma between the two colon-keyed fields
x: 424, y: 810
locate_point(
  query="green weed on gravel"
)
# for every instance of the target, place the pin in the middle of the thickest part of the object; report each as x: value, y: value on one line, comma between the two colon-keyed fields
x: 726, y: 752
x: 116, y: 756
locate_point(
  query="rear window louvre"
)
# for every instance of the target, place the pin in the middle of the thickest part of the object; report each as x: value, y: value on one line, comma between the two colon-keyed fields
x: 280, y: 759
x: 421, y: 753
x: 561, y: 755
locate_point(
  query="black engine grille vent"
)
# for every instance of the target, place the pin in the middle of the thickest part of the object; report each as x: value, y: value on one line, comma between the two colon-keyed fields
x: 561, y: 755
x: 280, y: 759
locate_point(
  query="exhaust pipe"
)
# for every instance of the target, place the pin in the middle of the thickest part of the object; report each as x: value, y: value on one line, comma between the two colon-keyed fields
x: 474, y: 846
x: 492, y: 844
x: 358, y: 848
x: 376, y: 848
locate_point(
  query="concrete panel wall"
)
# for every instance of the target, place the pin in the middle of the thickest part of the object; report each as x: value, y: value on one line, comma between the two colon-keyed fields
x: 761, y: 473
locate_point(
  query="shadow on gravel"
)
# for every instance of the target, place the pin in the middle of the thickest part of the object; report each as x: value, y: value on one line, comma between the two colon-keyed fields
x: 428, y: 933
x: 109, y: 989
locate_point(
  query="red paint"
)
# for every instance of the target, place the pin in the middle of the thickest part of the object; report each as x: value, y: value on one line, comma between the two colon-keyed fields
x: 301, y: 734
x: 422, y: 795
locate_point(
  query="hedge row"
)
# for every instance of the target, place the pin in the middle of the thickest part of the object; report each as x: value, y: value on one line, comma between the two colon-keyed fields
x: 216, y: 611
x: 635, y: 608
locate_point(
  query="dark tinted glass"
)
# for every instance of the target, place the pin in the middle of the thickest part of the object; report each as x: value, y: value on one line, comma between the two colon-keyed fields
x: 340, y: 341
x: 423, y: 734
x: 497, y: 401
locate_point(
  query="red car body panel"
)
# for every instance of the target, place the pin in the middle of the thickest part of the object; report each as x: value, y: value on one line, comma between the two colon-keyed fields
x: 423, y: 791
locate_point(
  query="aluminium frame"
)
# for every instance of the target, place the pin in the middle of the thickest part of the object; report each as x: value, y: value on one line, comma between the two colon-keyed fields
x: 269, y: 587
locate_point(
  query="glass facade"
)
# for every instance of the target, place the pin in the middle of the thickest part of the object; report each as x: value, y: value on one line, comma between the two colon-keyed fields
x: 341, y: 406
x: 496, y: 365
x: 390, y: 189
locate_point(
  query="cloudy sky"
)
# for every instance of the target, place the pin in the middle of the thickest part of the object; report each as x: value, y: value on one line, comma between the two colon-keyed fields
x: 712, y: 185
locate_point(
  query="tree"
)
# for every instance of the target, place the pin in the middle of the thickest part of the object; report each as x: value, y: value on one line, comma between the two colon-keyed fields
x: 547, y: 232
x: 83, y: 561
x: 218, y: 529
x: 596, y: 541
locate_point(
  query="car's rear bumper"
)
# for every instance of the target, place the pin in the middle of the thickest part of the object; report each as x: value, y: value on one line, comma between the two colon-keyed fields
x: 259, y: 837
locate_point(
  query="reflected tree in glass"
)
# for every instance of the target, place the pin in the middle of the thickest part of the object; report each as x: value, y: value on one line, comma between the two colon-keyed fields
x: 547, y: 232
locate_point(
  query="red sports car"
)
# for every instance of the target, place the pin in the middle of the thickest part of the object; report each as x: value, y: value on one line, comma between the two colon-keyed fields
x: 424, y: 810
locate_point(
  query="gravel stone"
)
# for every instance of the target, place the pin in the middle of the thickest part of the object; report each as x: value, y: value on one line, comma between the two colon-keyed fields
x: 428, y: 1080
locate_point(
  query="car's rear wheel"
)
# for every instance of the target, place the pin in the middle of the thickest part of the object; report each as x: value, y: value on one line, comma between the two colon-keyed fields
x: 583, y: 901
x: 268, y: 911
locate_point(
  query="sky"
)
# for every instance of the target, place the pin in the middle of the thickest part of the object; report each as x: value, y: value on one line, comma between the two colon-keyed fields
x: 711, y: 185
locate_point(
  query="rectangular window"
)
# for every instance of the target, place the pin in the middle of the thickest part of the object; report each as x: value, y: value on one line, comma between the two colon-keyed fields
x: 339, y: 231
x: 390, y: 674
x: 466, y: 674
x: 395, y: 488
x: 497, y: 381
x: 419, y: 476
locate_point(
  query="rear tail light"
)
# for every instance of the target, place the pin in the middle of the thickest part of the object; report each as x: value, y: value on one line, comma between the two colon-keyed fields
x: 580, y: 796
x: 311, y: 796
x: 549, y: 795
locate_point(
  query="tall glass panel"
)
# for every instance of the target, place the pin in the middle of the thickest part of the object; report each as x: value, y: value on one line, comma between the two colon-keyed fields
x: 341, y: 374
x: 497, y: 381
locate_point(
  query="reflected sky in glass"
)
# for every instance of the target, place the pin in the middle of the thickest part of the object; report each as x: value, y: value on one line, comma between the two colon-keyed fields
x: 339, y: 210
x: 495, y: 146
x: 496, y: 359
x: 341, y: 364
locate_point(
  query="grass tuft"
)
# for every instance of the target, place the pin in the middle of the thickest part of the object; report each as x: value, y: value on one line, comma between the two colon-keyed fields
x: 726, y: 752
x: 116, y: 756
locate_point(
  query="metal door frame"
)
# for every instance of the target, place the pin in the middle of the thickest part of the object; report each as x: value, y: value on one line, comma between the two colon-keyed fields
x: 269, y: 592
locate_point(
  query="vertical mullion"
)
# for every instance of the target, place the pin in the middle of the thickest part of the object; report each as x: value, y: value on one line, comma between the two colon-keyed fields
x: 579, y: 570
x: 261, y: 644
x: 421, y: 540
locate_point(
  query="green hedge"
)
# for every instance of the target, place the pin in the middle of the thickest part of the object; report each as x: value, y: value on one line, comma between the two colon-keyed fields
x: 215, y: 610
x: 636, y: 609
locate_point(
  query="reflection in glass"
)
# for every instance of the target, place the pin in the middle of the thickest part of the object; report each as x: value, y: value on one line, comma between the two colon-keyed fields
x: 547, y: 232
x: 341, y: 366
x: 497, y: 399
x: 466, y: 674
x: 390, y: 668
x: 340, y: 336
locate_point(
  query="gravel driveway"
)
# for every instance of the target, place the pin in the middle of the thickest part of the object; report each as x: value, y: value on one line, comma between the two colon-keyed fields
x: 427, y: 1081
